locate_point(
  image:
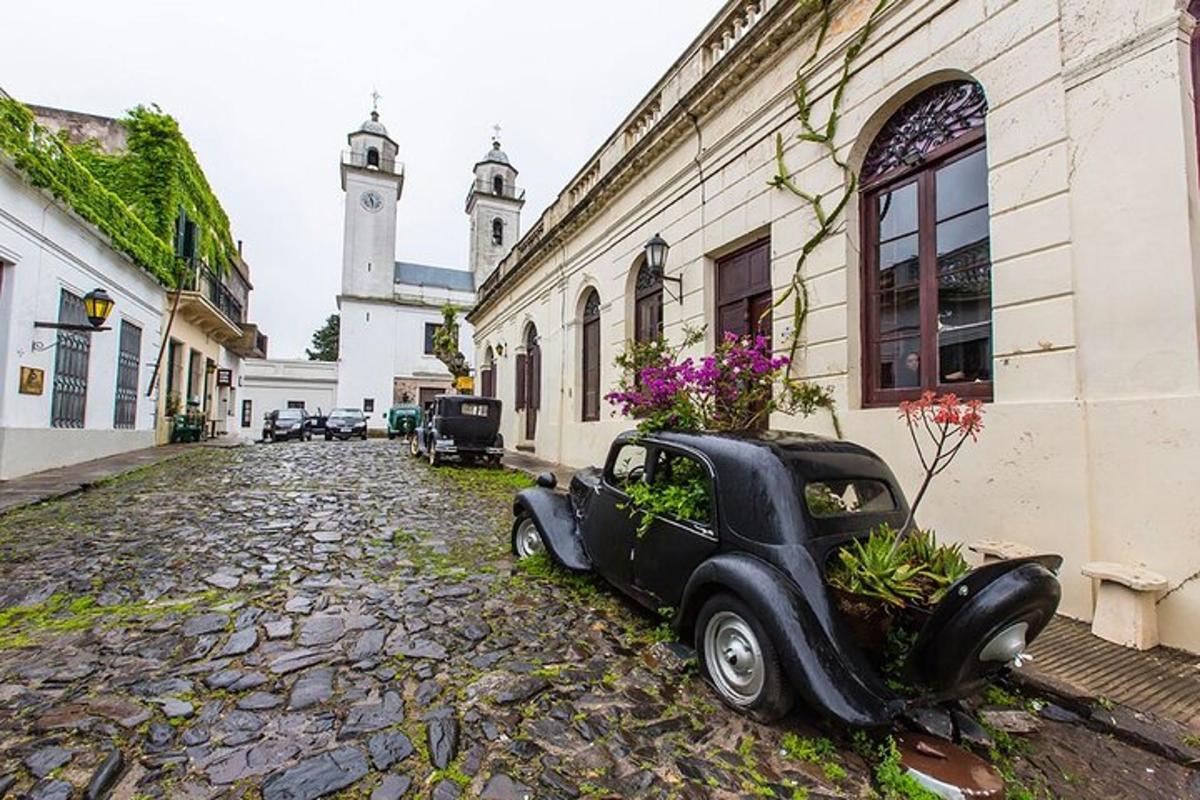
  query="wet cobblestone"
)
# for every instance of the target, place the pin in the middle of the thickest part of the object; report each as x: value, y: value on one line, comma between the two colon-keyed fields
x: 309, y: 619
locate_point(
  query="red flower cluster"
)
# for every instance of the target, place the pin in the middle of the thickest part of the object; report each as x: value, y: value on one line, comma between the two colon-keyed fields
x: 946, y: 412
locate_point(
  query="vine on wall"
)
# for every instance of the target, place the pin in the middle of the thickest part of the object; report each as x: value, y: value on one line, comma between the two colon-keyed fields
x: 828, y: 208
x: 133, y: 197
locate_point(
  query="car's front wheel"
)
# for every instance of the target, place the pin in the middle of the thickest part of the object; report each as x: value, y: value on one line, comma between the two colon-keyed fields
x: 414, y: 449
x: 526, y: 540
x: 738, y: 657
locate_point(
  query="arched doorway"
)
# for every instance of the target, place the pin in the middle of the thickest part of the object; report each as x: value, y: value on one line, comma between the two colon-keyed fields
x: 529, y: 381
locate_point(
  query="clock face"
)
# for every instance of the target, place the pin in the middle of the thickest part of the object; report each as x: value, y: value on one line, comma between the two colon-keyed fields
x: 371, y: 201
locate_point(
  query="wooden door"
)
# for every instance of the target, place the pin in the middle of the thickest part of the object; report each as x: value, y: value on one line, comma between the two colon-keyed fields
x: 744, y: 294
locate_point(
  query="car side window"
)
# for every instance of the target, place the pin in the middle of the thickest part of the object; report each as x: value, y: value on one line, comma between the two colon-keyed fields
x: 685, y: 481
x: 628, y: 466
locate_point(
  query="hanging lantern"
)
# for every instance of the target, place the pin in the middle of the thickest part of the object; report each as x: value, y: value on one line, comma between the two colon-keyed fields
x: 98, y: 305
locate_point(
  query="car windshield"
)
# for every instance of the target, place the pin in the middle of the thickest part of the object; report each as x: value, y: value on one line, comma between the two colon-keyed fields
x: 346, y: 412
x: 291, y: 413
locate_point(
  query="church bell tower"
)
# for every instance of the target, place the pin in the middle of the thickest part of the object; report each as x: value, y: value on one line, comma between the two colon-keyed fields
x: 494, y: 205
x: 372, y: 179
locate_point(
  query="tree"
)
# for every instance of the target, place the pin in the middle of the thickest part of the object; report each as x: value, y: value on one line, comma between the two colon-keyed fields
x: 445, y: 344
x: 325, y: 340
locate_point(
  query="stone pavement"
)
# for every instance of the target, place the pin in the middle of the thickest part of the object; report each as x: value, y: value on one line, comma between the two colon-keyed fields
x: 63, y: 481
x: 316, y: 619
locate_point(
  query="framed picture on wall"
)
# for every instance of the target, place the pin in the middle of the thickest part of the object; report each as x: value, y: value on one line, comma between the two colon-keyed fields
x: 33, y: 380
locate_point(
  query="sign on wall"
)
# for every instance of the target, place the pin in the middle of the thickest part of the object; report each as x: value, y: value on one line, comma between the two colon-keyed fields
x: 33, y: 380
x: 465, y: 384
x: 224, y: 377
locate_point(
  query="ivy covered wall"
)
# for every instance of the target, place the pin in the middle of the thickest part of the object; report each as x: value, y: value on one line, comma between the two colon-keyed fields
x: 134, y: 196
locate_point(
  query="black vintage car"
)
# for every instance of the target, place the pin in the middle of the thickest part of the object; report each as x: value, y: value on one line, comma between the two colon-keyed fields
x: 746, y: 582
x: 285, y: 423
x: 346, y: 423
x: 460, y: 426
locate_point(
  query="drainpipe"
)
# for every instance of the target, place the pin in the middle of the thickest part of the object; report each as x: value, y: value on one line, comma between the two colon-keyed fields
x: 562, y: 350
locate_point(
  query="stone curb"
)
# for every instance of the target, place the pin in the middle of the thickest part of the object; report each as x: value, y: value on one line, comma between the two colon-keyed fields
x: 1158, y: 735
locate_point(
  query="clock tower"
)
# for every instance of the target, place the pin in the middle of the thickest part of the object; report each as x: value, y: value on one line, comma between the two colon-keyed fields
x: 372, y: 179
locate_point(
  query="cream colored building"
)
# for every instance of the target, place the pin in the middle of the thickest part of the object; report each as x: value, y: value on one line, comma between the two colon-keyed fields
x: 1036, y: 159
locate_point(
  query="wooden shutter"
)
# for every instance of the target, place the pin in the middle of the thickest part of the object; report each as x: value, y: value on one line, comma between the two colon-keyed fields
x: 535, y: 384
x: 591, y: 370
x: 522, y: 379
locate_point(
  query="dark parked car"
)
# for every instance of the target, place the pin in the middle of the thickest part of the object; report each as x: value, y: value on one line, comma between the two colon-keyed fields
x: 345, y: 423
x: 747, y: 582
x: 460, y: 426
x: 285, y: 423
x: 316, y: 423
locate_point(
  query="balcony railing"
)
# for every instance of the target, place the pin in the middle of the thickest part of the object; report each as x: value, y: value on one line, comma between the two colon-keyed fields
x: 351, y: 158
x: 206, y: 282
x: 508, y: 191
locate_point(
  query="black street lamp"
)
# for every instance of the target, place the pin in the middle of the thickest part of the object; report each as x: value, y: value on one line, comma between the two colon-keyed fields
x: 656, y: 258
x: 98, y: 306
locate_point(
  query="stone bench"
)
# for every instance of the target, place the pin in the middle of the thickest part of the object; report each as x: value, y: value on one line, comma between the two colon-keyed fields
x: 1125, y: 612
x: 993, y: 550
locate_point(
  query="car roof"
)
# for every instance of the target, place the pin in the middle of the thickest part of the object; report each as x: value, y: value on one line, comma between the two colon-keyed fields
x: 765, y: 469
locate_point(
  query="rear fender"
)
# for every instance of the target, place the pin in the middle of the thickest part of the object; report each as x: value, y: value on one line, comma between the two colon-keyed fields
x: 819, y: 670
x: 552, y: 513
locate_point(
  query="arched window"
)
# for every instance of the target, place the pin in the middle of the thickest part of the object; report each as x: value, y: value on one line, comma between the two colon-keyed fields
x: 497, y: 231
x: 372, y: 157
x: 498, y: 185
x: 927, y: 275
x: 590, y: 358
x: 647, y: 304
x: 487, y: 374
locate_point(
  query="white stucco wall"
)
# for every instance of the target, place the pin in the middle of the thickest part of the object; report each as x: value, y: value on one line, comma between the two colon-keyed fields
x: 1092, y: 438
x: 44, y: 249
x: 271, y: 383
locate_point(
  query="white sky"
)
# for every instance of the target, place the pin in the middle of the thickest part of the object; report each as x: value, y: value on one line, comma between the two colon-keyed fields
x: 267, y: 91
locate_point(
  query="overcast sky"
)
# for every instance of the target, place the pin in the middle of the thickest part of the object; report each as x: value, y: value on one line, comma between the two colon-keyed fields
x: 267, y: 91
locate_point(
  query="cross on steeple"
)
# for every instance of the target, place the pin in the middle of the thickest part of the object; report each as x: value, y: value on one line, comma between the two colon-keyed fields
x: 375, y: 95
x: 496, y: 132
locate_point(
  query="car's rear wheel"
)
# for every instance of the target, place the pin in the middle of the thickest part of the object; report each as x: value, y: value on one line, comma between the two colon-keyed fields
x: 526, y: 540
x: 738, y: 657
x: 433, y: 457
x: 414, y: 449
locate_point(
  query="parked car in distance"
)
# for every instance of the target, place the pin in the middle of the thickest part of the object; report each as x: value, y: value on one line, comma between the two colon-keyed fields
x: 345, y: 423
x: 316, y: 422
x: 403, y: 420
x: 460, y: 426
x: 285, y: 423
x: 747, y: 580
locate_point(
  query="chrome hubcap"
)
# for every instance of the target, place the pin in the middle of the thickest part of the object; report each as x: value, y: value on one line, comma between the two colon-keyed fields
x: 1008, y: 646
x: 529, y: 541
x: 734, y: 658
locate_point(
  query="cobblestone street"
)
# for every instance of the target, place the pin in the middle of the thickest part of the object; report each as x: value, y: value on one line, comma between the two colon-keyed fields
x: 307, y: 619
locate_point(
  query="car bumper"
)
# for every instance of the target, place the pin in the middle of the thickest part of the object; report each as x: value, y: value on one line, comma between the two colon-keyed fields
x: 340, y: 434
x: 449, y: 447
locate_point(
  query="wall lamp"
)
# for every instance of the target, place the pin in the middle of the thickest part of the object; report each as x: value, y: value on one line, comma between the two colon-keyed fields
x: 97, y: 304
x: 656, y: 258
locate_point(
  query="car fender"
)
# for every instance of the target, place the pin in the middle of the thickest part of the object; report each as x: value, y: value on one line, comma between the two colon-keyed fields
x: 552, y: 513
x: 820, y: 671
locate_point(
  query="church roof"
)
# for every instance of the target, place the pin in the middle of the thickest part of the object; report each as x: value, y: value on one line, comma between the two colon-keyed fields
x: 373, y: 125
x: 459, y: 280
x: 495, y: 156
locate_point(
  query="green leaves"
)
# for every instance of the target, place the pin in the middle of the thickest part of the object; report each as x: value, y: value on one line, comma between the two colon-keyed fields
x: 133, y: 197
x: 917, y: 573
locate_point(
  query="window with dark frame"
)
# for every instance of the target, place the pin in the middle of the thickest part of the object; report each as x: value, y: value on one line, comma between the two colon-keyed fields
x: 497, y: 231
x: 431, y: 329
x: 498, y: 185
x: 368, y: 405
x: 372, y: 157
x: 71, y: 357
x: 247, y: 413
x: 927, y: 289
x: 128, y: 357
x: 590, y: 360
x: 296, y: 404
x: 648, y: 304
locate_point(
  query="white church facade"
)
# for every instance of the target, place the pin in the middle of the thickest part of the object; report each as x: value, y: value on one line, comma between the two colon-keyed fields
x: 390, y: 309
